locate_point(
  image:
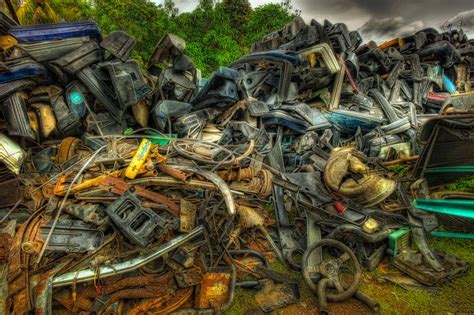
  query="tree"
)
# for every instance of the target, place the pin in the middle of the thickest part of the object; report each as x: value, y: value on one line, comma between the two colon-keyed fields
x: 206, y: 5
x: 170, y: 8
x: 210, y: 39
x: 36, y: 12
x: 265, y: 19
x: 140, y: 18
x: 73, y: 10
x: 238, y: 12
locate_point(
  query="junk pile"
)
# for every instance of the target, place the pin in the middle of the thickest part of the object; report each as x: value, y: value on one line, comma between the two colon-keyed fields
x: 133, y: 191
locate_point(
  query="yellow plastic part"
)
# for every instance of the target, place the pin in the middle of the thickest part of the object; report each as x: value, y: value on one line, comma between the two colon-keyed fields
x: 312, y: 59
x: 396, y: 42
x: 34, y: 124
x: 62, y: 187
x: 7, y: 42
x: 139, y: 159
x: 47, y: 119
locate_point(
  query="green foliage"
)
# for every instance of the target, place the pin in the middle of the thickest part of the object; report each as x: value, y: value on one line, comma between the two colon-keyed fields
x: 11, y: 7
x: 463, y: 184
x: 399, y: 169
x: 205, y: 5
x: 210, y: 39
x: 265, y: 19
x: 140, y: 18
x: 36, y: 12
x: 170, y: 8
x: 73, y: 10
x: 215, y: 35
x: 238, y: 12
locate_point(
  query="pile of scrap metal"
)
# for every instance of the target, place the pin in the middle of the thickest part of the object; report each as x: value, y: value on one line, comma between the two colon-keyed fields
x: 132, y: 191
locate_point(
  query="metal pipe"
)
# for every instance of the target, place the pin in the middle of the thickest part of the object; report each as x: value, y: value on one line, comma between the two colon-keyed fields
x: 126, y: 266
x: 401, y: 160
x: 322, y: 300
x: 233, y: 279
x: 10, y: 211
x: 367, y: 300
x: 172, y: 182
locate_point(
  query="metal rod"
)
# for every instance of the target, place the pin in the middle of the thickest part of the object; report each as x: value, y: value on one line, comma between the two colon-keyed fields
x: 126, y: 266
x: 10, y: 211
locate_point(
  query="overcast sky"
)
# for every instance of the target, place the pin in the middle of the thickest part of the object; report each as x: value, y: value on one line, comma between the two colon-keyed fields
x: 377, y: 19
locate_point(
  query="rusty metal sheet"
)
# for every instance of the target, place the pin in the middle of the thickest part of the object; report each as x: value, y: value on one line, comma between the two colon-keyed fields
x: 273, y: 296
x: 6, y: 233
x: 42, y: 287
x: 18, y: 263
x: 138, y: 287
x: 214, y: 290
x: 119, y: 186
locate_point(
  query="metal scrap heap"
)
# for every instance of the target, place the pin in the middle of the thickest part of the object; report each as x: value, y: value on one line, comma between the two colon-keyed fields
x: 129, y: 188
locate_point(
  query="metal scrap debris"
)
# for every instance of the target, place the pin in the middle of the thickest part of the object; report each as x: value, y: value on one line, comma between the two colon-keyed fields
x: 138, y: 191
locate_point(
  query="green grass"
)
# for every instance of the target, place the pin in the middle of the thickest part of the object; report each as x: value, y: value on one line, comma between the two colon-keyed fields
x: 244, y: 301
x: 454, y: 296
x: 399, y: 170
x: 463, y: 184
x: 458, y: 294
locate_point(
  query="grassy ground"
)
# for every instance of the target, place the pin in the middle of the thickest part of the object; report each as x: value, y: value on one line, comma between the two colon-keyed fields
x: 453, y: 297
x: 463, y: 184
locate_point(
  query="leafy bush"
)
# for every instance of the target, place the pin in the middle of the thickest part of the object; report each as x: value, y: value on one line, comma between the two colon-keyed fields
x: 215, y: 36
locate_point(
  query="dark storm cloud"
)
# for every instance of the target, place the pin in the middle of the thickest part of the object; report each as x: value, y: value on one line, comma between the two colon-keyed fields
x: 463, y: 19
x: 374, y: 7
x: 410, y: 9
x: 384, y: 28
x: 382, y: 19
